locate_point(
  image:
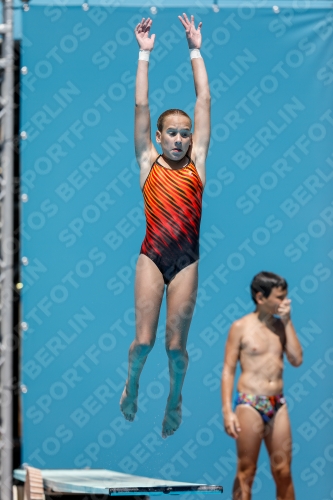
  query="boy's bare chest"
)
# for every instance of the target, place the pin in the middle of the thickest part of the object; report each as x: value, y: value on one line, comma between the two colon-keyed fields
x: 260, y: 342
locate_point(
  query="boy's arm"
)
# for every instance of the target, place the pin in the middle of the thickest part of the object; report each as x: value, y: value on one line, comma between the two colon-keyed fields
x: 293, y: 348
x: 201, y: 135
x: 231, y: 357
x: 144, y: 148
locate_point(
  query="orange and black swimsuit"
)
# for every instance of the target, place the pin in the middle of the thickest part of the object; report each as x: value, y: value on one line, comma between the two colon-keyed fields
x: 173, y: 202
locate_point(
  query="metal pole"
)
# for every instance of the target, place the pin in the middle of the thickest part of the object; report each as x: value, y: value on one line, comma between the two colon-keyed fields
x: 6, y: 430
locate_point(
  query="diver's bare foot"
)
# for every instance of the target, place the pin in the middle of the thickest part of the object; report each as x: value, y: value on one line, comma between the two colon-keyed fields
x: 128, y: 405
x: 172, y: 419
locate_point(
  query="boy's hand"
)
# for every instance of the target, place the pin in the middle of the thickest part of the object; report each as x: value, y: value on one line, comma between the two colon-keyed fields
x: 142, y: 34
x: 193, y: 34
x: 284, y: 310
x: 231, y: 425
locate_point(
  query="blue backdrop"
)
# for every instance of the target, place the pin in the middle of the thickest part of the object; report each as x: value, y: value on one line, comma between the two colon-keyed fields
x: 267, y: 206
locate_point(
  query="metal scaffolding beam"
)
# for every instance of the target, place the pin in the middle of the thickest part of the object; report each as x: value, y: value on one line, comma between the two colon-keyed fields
x: 6, y: 256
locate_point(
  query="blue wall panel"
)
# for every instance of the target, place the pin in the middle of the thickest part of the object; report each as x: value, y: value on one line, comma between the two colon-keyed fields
x: 268, y: 205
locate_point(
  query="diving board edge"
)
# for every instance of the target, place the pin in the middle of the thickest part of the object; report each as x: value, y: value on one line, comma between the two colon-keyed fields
x: 166, y: 490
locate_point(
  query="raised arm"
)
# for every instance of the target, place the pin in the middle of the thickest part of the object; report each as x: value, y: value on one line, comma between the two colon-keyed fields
x: 201, y: 135
x: 144, y: 148
x: 231, y: 356
x: 293, y: 348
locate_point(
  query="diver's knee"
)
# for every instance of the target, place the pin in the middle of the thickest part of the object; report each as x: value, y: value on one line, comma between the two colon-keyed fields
x: 143, y: 347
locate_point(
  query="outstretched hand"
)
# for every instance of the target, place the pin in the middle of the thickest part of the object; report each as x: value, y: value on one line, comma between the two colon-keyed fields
x: 193, y: 34
x: 142, y: 31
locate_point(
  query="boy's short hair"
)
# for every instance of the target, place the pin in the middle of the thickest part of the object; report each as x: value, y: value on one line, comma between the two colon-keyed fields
x: 264, y: 282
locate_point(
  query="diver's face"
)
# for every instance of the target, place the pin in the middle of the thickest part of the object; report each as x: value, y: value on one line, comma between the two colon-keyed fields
x: 176, y: 137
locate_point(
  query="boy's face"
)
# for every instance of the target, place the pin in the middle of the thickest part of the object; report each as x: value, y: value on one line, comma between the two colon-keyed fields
x: 271, y: 304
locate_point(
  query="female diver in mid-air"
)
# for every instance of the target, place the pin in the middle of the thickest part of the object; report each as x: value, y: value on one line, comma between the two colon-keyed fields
x: 172, y: 185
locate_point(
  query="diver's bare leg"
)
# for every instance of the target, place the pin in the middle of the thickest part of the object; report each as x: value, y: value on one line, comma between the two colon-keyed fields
x: 149, y: 289
x: 181, y: 295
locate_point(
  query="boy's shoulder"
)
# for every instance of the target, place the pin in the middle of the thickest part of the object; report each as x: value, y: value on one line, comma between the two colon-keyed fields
x: 241, y: 324
x: 243, y: 321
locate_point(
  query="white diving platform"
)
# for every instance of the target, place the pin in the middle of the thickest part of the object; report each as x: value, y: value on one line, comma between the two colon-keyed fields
x: 107, y: 482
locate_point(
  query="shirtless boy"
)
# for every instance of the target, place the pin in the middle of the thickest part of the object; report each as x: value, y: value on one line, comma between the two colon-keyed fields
x: 258, y: 341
